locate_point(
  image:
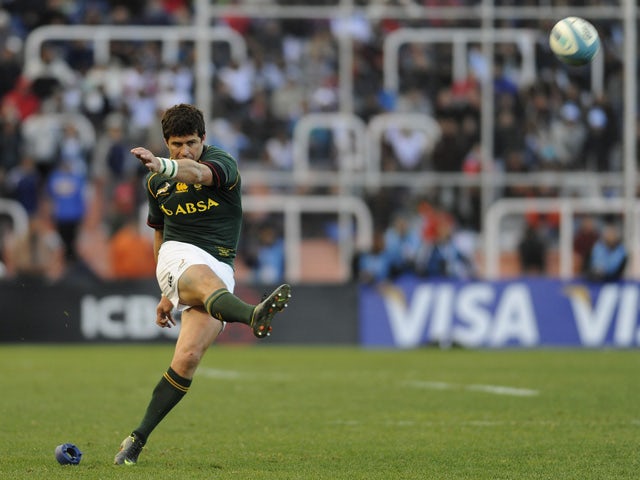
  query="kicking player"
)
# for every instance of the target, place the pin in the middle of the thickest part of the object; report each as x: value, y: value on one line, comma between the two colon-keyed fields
x: 196, y: 210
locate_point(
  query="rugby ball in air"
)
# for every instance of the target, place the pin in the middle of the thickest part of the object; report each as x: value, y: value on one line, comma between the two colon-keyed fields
x: 574, y: 40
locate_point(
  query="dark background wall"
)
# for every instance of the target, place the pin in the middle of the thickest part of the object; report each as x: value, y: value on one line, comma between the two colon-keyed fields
x: 34, y: 311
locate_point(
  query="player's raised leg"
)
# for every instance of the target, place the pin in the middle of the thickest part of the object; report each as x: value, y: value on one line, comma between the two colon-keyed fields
x: 200, y: 285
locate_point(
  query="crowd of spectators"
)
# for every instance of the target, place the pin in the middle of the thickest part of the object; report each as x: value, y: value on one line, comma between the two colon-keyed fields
x: 67, y: 124
x: 425, y: 243
x: 599, y: 254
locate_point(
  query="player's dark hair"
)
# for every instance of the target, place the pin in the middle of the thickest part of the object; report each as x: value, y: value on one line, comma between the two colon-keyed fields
x: 182, y: 120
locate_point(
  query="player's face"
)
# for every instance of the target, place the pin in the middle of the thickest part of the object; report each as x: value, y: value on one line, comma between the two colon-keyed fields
x: 187, y: 146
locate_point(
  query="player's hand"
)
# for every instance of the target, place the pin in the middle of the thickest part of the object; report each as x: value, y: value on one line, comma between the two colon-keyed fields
x: 164, y: 318
x: 147, y: 158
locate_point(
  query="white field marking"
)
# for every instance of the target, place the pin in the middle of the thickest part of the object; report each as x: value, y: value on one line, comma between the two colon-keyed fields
x: 494, y: 389
x: 432, y: 385
x: 221, y: 374
x: 502, y: 390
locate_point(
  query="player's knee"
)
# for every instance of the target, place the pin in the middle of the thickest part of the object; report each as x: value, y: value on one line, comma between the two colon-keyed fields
x: 187, y: 361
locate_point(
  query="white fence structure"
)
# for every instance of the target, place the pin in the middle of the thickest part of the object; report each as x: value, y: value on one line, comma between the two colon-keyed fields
x: 101, y: 37
x: 18, y: 215
x: 487, y: 14
x: 294, y: 206
x: 351, y: 212
x: 568, y: 208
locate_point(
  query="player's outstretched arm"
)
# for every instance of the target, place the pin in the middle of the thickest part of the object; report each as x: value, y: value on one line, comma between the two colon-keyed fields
x: 183, y: 169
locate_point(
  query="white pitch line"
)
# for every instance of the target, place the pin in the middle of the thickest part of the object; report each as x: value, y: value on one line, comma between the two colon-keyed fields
x: 502, y: 390
x: 432, y: 385
x: 493, y: 389
x: 221, y: 374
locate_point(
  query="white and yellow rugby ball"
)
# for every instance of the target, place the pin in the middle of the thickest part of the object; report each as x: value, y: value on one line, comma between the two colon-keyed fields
x: 574, y: 41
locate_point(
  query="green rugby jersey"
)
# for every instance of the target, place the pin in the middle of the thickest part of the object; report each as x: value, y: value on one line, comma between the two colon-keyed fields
x: 208, y: 217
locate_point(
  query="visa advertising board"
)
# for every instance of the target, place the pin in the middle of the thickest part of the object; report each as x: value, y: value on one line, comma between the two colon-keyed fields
x: 516, y: 313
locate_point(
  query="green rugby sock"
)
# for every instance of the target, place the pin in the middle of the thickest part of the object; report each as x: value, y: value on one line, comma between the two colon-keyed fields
x: 168, y: 392
x: 225, y: 306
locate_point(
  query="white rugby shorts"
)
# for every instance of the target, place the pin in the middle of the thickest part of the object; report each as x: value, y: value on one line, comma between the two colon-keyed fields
x: 175, y: 257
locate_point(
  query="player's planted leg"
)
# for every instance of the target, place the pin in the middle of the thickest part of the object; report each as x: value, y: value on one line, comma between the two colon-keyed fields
x: 130, y: 448
x: 197, y: 333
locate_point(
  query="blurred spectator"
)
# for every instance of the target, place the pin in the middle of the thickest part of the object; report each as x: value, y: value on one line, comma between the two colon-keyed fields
x: 73, y: 148
x: 111, y: 159
x: 444, y: 258
x: 608, y: 257
x: 288, y: 103
x: 227, y: 134
x: 508, y: 134
x: 401, y: 244
x: 268, y: 263
x: 10, y: 64
x: 49, y: 72
x: 532, y: 251
x: 20, y: 101
x: 10, y: 141
x: 41, y: 133
x: 409, y: 147
x: 113, y: 171
x: 599, y: 142
x: 568, y: 135
x: 40, y: 253
x: 131, y: 252
x: 67, y: 189
x: 585, y: 236
x: 259, y: 125
x: 449, y: 153
x: 140, y: 88
x: 236, y: 82
x: 279, y: 150
x: 175, y: 85
x: 23, y: 184
x: 373, y: 267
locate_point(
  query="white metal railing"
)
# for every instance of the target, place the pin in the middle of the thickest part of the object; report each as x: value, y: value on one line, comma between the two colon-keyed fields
x: 459, y: 38
x: 294, y: 206
x: 366, y: 156
x: 170, y: 38
x: 203, y: 34
x: 377, y: 10
x: 567, y: 208
x: 524, y: 39
x: 18, y: 215
x: 101, y: 36
x: 344, y: 122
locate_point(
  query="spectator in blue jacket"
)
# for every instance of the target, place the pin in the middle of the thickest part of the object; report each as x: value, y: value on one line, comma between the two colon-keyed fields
x: 374, y: 266
x: 608, y: 256
x: 67, y: 190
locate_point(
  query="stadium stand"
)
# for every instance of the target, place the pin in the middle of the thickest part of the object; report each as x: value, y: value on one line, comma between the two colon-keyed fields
x: 557, y: 124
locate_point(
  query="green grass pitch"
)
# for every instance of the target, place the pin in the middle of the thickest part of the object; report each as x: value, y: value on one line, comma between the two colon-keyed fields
x: 271, y: 412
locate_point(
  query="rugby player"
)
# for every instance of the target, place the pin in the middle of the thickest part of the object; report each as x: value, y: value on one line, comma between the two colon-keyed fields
x: 195, y: 208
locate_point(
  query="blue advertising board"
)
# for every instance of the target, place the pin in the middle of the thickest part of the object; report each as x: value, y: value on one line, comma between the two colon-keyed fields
x: 518, y: 313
